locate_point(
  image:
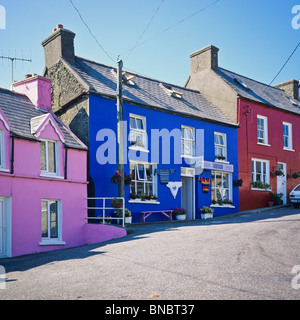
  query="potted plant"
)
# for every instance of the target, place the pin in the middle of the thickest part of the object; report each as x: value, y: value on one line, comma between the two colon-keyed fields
x: 222, y: 158
x: 117, y: 203
x: 276, y: 198
x: 137, y: 144
x: 295, y: 175
x: 133, y: 196
x: 206, y: 212
x: 180, y: 214
x: 260, y: 185
x: 238, y: 183
x: 127, y: 179
x: 154, y: 197
x: 128, y: 215
x: 279, y: 172
x: 116, y: 178
x: 143, y: 197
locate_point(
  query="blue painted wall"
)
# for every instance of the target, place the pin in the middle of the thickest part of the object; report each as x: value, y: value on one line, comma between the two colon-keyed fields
x: 103, y: 114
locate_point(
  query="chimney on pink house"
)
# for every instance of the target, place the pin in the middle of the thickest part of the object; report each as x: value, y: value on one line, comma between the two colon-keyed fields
x: 37, y: 89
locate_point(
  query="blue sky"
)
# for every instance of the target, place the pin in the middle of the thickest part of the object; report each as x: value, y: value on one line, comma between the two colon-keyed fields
x: 254, y: 37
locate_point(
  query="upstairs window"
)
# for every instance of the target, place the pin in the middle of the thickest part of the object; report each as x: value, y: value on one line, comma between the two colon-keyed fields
x: 49, y: 157
x: 287, y: 136
x: 187, y: 141
x: 262, y: 130
x: 220, y: 146
x: 138, y: 135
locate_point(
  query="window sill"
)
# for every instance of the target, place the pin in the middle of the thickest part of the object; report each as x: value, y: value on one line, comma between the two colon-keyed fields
x: 138, y: 149
x: 52, y: 242
x: 223, y: 206
x: 52, y: 176
x: 144, y: 202
x: 264, y: 144
x: 222, y: 161
x: 4, y: 170
x: 259, y: 189
x: 287, y: 149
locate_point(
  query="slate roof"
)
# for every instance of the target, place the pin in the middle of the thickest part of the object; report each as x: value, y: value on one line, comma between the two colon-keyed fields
x: 259, y: 92
x: 149, y: 92
x: 19, y: 111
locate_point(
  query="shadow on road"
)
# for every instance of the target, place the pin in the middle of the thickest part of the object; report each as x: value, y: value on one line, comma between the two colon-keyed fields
x: 140, y: 231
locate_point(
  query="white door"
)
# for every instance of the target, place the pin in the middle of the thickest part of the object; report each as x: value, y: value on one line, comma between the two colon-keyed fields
x: 2, y: 244
x: 187, y: 196
x: 281, y: 181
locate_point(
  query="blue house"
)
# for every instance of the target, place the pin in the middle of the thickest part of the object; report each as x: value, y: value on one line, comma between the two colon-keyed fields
x: 180, y: 150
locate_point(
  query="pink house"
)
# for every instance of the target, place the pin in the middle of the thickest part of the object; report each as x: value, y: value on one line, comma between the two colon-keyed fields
x: 43, y: 185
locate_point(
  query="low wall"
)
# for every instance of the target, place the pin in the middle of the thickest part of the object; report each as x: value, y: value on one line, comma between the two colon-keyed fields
x: 95, y: 233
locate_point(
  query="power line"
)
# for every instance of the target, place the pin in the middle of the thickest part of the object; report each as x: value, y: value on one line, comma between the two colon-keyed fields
x: 278, y: 73
x: 175, y: 24
x: 80, y: 16
x: 148, y: 25
x: 289, y: 58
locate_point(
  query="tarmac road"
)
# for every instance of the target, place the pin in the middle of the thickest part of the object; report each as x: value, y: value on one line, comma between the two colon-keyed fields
x: 243, y: 257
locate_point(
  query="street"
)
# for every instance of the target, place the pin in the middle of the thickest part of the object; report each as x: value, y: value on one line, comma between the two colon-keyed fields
x: 244, y: 257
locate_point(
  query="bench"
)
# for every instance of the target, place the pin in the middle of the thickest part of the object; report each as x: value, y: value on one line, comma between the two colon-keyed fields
x: 146, y: 214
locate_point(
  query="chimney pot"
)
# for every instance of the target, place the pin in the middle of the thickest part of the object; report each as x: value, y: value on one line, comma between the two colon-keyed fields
x: 60, y: 26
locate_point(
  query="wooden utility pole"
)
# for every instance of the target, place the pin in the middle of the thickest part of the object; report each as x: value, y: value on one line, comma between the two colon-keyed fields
x: 120, y: 126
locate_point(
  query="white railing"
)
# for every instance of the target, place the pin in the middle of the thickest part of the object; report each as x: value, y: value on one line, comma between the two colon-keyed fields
x: 104, y: 208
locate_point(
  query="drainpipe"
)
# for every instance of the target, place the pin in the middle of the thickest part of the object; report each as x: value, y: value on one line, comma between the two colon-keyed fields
x: 66, y: 162
x: 12, y: 154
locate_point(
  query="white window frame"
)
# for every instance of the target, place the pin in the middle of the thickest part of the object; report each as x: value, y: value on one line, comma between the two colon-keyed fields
x: 47, y: 173
x: 220, y: 146
x: 138, y: 132
x: 2, y: 150
x: 187, y: 141
x: 289, y: 136
x: 214, y: 188
x: 254, y: 173
x: 48, y: 240
x: 136, y: 179
x: 265, y: 137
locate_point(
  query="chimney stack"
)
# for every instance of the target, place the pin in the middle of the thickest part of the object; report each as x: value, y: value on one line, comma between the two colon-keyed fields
x: 291, y: 87
x: 206, y: 58
x: 59, y: 44
x: 37, y: 89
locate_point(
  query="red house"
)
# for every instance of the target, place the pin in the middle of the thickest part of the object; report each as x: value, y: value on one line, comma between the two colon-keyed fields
x: 269, y: 133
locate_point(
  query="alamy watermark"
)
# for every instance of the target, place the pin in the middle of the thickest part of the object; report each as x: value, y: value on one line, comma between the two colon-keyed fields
x: 296, y: 19
x: 295, y: 281
x: 2, y: 278
x: 2, y: 17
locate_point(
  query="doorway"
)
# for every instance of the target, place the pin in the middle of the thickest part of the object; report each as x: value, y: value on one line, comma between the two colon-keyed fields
x: 281, y: 181
x: 188, y: 194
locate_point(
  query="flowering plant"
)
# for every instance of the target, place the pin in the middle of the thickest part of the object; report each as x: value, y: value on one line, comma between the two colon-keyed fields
x: 116, y: 178
x: 177, y: 211
x: 204, y: 210
x: 117, y: 203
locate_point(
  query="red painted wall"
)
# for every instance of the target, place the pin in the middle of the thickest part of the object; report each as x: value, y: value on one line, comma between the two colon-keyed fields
x: 248, y: 149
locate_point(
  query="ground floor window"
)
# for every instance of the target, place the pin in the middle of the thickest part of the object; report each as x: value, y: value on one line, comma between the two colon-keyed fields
x: 51, y: 221
x: 260, y: 171
x: 221, y: 186
x: 143, y: 180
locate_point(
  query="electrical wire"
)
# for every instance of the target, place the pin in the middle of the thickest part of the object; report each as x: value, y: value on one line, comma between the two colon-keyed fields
x: 278, y: 73
x: 147, y: 27
x: 175, y: 24
x: 91, y: 33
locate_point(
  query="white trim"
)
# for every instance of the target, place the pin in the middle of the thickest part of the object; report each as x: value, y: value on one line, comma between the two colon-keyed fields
x: 222, y: 206
x: 143, y: 202
x: 53, y: 241
x: 2, y: 150
x: 185, y: 140
x: 290, y: 136
x: 46, y: 173
x: 265, y: 131
x: 50, y: 120
x: 139, y: 131
x: 267, y: 171
x: 7, y: 214
x: 6, y: 125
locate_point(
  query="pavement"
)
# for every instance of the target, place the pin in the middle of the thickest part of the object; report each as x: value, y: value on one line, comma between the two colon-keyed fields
x: 252, y: 255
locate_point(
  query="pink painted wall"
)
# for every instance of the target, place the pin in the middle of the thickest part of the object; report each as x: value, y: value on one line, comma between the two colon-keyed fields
x: 27, y: 188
